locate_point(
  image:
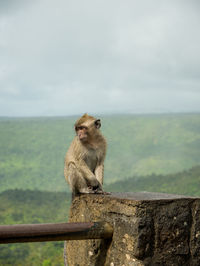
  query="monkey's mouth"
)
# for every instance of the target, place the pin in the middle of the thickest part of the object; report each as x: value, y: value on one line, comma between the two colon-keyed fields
x: 82, y: 137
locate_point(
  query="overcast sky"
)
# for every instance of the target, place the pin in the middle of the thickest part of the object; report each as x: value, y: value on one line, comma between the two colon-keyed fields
x: 66, y: 57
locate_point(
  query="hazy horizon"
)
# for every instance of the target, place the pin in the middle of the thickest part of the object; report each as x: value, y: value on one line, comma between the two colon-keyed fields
x: 106, y: 114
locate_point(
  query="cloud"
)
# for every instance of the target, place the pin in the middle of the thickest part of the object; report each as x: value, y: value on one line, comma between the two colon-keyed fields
x: 68, y: 57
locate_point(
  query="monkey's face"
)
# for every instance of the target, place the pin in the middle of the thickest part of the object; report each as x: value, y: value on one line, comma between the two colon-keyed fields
x: 87, y: 128
x: 82, y: 133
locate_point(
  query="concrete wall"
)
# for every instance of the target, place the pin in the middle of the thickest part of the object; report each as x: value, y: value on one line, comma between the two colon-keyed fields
x: 149, y: 229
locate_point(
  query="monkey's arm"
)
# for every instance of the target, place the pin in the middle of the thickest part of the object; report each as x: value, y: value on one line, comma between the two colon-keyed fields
x: 99, y: 173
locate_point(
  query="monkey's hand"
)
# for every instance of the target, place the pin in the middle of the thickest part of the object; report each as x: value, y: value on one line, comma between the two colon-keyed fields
x: 94, y: 183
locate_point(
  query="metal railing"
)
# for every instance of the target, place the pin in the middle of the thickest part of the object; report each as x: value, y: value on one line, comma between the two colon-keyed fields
x: 54, y: 232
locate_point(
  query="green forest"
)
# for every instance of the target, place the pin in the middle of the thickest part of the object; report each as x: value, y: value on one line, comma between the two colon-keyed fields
x: 159, y: 153
x: 32, y: 150
x: 28, y: 207
x: 183, y: 183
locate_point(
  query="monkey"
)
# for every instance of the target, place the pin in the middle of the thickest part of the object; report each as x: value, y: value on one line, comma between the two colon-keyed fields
x: 84, y: 161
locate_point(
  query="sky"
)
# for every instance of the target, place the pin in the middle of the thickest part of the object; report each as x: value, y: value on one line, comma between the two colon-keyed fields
x: 68, y: 57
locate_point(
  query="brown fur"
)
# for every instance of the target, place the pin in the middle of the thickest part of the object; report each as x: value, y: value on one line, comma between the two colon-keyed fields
x: 84, y: 161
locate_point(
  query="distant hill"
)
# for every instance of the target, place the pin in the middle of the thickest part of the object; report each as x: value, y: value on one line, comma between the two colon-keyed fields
x: 32, y: 150
x: 184, y: 183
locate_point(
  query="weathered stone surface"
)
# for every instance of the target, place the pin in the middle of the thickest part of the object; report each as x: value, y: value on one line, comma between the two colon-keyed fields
x: 149, y: 229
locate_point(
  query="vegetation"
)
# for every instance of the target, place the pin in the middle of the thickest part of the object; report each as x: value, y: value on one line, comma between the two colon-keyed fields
x: 184, y: 183
x: 32, y: 150
x: 20, y: 207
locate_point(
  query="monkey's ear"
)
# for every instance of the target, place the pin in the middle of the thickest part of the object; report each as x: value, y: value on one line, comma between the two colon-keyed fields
x: 85, y: 115
x: 97, y: 123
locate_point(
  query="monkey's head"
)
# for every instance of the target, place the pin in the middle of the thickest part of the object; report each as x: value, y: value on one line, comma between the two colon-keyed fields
x: 87, y: 127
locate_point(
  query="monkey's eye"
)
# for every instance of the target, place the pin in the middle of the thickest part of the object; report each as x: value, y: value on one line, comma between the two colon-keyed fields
x: 80, y: 128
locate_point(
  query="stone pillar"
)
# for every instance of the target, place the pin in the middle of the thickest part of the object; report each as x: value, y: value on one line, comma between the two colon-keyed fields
x: 149, y: 229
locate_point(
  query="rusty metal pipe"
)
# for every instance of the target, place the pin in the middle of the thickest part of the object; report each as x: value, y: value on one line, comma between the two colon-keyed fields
x: 54, y: 232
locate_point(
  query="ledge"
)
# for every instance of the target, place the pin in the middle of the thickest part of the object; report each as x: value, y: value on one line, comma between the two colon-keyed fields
x: 149, y: 229
x: 144, y: 196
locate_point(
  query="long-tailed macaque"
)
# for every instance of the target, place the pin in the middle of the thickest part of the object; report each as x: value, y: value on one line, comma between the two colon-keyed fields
x: 84, y: 161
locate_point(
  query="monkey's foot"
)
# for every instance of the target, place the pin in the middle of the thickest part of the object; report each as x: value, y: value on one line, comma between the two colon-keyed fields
x: 97, y: 190
x: 101, y: 192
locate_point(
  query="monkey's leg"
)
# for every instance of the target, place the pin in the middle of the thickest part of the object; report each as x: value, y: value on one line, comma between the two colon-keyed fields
x: 77, y: 182
x: 99, y: 173
x: 88, y: 175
